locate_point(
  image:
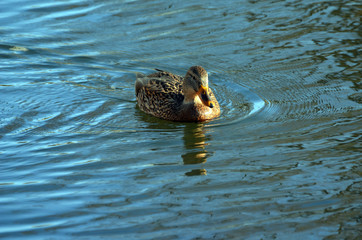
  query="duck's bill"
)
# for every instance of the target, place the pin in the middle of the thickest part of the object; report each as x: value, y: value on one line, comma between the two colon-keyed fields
x: 205, y: 97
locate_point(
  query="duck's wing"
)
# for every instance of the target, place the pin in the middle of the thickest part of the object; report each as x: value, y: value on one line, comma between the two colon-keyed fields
x: 159, y: 95
x: 160, y: 82
x: 160, y: 74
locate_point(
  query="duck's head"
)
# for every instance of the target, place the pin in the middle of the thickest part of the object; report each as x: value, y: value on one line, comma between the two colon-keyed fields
x: 196, y: 86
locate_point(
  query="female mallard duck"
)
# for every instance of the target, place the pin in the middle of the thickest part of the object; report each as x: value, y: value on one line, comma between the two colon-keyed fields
x: 171, y: 97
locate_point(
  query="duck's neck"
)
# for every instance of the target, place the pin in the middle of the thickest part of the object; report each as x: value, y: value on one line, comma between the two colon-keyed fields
x: 192, y: 100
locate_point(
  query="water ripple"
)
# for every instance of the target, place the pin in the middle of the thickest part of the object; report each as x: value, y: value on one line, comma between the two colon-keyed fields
x: 282, y: 160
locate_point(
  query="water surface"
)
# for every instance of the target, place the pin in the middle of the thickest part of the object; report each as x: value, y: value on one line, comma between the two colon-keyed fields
x: 80, y: 160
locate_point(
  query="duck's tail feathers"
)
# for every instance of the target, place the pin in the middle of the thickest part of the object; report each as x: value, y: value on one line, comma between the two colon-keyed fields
x: 140, y: 75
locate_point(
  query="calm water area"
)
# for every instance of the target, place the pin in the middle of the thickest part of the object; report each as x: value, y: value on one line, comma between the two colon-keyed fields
x: 79, y: 160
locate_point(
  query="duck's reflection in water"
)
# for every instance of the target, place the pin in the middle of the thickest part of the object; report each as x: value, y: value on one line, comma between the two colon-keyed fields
x: 194, y: 139
x: 195, y: 152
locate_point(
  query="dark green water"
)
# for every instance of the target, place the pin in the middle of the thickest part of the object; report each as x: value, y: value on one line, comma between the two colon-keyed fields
x: 79, y: 160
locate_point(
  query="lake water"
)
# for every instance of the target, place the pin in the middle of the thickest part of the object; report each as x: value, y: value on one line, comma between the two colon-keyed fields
x: 79, y: 160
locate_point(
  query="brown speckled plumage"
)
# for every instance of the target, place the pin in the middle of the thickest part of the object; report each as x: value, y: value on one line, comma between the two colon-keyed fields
x: 162, y: 94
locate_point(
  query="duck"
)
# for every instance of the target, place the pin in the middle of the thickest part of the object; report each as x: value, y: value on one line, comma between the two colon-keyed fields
x: 172, y: 97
